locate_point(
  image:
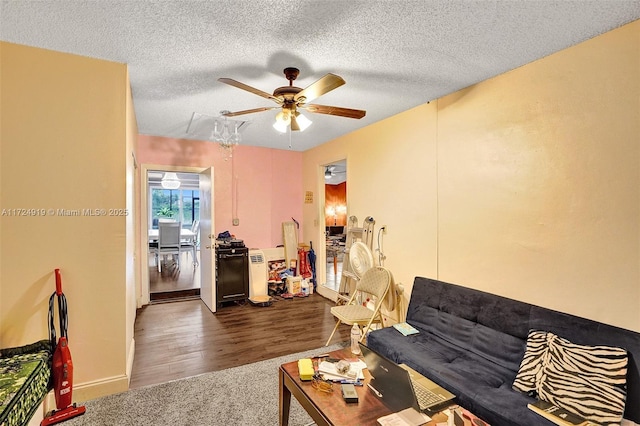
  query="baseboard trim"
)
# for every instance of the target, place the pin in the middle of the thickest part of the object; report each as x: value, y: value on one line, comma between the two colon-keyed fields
x: 103, y: 387
x: 327, y: 293
x: 92, y: 390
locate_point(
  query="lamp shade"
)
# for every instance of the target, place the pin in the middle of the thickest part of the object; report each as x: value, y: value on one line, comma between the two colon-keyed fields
x: 170, y: 181
x: 283, y: 119
x: 303, y: 122
x: 295, y: 119
x: 281, y: 126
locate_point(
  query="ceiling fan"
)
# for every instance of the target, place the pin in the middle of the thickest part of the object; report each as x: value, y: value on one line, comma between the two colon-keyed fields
x: 291, y: 99
x: 330, y: 171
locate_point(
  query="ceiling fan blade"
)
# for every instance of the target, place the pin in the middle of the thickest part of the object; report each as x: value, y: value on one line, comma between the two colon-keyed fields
x: 333, y: 110
x: 319, y: 88
x: 248, y: 111
x: 234, y: 83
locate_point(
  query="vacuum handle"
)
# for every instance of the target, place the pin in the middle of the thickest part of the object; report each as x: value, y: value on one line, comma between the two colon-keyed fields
x: 58, y: 282
x: 62, y: 307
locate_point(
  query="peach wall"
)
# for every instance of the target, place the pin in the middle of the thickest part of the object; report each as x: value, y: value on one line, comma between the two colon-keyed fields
x: 525, y: 185
x: 259, y: 186
x: 65, y: 130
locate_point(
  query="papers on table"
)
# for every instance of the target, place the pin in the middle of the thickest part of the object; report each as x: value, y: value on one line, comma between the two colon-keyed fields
x: 407, y: 417
x: 329, y: 372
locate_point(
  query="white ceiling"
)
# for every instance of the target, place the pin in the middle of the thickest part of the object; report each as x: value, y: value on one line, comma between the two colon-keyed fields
x: 393, y: 54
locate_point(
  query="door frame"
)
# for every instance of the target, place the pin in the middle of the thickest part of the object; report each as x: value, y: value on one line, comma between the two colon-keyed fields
x: 143, y: 295
x: 321, y: 260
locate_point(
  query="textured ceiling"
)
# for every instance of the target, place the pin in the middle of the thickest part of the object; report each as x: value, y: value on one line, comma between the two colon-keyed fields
x: 394, y: 55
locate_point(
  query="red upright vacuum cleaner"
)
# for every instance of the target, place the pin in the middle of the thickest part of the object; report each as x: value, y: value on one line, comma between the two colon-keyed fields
x: 62, y: 368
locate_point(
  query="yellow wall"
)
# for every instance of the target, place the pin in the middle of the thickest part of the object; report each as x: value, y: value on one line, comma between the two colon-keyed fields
x: 524, y: 185
x: 66, y: 138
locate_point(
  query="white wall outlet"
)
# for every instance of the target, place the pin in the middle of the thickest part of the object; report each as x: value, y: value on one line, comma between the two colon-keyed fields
x: 236, y: 221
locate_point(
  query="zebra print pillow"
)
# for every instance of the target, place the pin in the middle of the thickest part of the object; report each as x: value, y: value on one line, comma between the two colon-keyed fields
x: 591, y: 381
x: 587, y: 380
x: 530, y: 371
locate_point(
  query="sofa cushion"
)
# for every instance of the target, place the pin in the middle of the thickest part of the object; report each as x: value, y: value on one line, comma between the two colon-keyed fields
x: 491, y: 326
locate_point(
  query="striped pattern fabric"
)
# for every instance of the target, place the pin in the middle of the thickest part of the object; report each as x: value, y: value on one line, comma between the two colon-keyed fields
x: 535, y: 357
x: 589, y: 381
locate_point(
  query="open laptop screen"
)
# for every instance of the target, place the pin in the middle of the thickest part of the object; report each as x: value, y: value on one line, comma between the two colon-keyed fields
x: 390, y: 382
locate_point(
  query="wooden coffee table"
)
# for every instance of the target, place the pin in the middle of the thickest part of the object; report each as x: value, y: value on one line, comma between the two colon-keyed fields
x: 329, y: 408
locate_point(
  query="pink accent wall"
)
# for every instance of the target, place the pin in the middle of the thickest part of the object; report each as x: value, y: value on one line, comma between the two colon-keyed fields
x: 269, y: 184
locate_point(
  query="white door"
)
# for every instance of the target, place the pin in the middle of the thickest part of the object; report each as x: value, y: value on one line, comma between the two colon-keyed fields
x: 207, y: 241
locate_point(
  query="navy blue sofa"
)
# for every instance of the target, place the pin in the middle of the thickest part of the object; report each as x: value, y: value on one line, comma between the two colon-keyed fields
x: 472, y: 342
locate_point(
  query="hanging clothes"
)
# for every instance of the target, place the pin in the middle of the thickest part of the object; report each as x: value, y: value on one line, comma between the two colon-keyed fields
x: 303, y: 263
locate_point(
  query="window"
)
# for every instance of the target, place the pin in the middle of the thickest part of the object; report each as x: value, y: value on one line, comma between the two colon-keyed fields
x: 190, y: 207
x: 177, y: 204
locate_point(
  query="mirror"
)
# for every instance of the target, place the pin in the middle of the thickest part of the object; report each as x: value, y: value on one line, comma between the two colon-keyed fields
x: 290, y: 238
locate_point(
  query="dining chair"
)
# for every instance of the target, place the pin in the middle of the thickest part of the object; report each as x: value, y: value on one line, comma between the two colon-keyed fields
x: 168, y: 241
x: 191, y: 243
x: 195, y: 228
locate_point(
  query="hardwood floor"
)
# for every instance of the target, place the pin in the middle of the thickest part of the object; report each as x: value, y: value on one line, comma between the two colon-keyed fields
x: 182, y: 339
x: 172, y: 278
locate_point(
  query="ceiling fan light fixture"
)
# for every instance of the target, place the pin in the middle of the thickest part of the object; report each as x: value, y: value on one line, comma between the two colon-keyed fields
x: 303, y: 121
x: 284, y: 116
x: 281, y: 126
x: 170, y: 181
x: 327, y: 174
x: 283, y: 119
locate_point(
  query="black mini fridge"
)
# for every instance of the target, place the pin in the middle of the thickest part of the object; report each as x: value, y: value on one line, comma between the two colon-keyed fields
x: 232, y: 274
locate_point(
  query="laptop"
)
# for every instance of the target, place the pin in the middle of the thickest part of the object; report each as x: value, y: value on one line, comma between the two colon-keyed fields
x: 401, y: 387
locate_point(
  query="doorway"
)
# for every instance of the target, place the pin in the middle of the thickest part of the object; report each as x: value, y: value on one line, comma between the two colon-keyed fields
x: 174, y: 197
x: 204, y: 268
x: 335, y: 214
